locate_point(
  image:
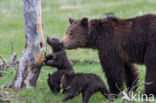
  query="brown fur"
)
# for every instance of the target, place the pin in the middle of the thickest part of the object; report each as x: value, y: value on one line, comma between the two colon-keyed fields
x: 59, y: 60
x: 87, y: 84
x: 120, y: 43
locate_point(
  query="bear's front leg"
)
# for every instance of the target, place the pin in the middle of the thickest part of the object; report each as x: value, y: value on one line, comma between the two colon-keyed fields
x: 65, y: 91
x: 70, y: 94
x: 51, y: 63
x: 114, y: 70
x: 48, y: 57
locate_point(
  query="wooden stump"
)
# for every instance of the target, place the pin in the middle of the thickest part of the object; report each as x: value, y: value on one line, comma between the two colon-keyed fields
x: 34, y: 53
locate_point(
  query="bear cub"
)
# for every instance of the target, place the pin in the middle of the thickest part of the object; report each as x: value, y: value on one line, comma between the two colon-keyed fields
x: 59, y: 60
x: 87, y: 84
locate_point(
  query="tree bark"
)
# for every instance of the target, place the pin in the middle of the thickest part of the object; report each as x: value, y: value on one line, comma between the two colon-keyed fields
x: 34, y: 53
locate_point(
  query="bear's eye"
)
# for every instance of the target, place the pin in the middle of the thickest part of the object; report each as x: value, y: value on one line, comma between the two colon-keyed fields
x: 71, y: 34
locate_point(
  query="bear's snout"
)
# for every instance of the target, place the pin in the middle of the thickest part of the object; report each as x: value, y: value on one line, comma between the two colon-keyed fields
x: 61, y: 43
x: 48, y: 39
x: 66, y: 42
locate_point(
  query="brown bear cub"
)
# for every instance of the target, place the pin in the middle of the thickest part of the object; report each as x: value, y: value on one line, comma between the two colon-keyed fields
x: 58, y: 57
x: 59, y: 60
x: 120, y: 43
x: 87, y: 84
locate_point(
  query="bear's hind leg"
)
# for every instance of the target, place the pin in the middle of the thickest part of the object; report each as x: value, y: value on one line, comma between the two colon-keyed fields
x: 87, y: 94
x: 131, y: 76
x: 150, y: 82
x: 150, y: 62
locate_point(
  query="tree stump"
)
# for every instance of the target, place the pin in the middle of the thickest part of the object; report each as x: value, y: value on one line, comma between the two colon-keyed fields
x: 34, y: 53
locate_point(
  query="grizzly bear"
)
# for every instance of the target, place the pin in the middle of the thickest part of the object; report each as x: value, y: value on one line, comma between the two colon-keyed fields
x: 120, y: 43
x: 87, y: 84
x: 59, y: 60
x: 54, y: 81
x: 58, y: 57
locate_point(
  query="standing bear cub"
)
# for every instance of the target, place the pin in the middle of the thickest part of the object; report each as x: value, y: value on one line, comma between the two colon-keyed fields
x: 87, y: 84
x: 120, y: 44
x: 59, y: 60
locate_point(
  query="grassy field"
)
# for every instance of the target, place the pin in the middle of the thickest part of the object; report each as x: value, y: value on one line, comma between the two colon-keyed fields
x: 55, y: 20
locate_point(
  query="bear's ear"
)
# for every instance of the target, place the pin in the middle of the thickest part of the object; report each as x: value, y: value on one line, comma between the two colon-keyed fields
x: 71, y: 20
x: 84, y: 21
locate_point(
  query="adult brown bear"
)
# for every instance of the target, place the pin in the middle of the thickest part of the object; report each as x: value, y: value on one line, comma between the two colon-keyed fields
x: 120, y: 43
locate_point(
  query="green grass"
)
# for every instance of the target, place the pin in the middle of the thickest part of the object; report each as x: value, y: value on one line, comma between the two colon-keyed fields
x: 55, y: 20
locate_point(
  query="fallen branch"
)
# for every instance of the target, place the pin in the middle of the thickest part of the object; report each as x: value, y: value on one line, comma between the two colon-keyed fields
x: 127, y: 95
x: 109, y: 14
x: 4, y: 100
x: 6, y: 64
x: 13, y: 62
x: 83, y: 61
x: 135, y: 85
x: 2, y: 59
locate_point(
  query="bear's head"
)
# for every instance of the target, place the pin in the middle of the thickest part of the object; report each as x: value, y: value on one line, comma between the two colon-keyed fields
x: 55, y: 43
x: 76, y: 34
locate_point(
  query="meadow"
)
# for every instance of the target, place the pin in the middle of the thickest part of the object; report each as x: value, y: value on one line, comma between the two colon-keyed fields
x: 55, y: 21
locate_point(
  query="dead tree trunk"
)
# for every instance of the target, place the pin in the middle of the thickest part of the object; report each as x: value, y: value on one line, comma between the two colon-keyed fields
x: 34, y: 53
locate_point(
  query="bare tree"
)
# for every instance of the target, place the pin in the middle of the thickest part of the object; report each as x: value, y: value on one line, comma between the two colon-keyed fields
x: 33, y: 55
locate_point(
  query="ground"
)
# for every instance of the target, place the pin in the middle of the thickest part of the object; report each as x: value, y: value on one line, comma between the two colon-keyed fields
x: 55, y: 20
